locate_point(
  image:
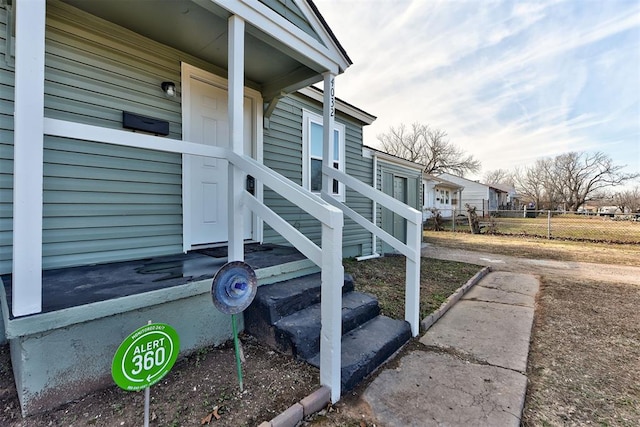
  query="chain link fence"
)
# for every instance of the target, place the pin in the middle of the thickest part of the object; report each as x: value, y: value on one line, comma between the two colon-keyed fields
x: 613, y: 228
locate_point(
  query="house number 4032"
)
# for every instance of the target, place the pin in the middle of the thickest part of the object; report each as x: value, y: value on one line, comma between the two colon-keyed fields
x: 332, y: 93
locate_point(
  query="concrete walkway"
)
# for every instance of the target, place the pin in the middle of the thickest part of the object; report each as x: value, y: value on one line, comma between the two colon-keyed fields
x: 470, y: 369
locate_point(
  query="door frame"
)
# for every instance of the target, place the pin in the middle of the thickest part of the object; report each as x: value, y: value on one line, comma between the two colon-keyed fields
x: 187, y: 72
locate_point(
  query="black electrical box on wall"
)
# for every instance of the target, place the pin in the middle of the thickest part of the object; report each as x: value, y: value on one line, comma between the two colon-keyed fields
x: 145, y: 124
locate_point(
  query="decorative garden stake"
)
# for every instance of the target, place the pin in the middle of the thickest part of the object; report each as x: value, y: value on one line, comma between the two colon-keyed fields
x: 233, y: 288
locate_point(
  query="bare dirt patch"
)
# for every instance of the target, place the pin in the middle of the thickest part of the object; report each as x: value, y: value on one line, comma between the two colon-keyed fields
x: 205, y: 384
x: 198, y: 388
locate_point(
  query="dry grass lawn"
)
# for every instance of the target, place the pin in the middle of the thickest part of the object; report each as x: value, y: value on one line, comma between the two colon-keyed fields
x: 529, y: 247
x: 584, y: 362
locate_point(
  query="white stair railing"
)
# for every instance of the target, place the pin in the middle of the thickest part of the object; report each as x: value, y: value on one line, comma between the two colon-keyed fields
x: 328, y: 257
x: 411, y: 250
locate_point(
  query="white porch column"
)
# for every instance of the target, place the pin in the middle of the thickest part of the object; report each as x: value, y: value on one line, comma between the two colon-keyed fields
x: 26, y: 294
x: 332, y: 274
x: 236, y: 134
x: 328, y: 119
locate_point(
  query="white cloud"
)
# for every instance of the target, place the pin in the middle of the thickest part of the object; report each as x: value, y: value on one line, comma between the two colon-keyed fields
x: 509, y: 81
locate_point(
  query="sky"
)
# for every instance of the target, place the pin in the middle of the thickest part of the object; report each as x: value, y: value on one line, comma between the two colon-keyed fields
x: 509, y: 81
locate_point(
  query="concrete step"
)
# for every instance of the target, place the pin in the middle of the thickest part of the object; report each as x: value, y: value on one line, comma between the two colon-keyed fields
x: 367, y: 347
x: 299, y: 333
x: 278, y: 300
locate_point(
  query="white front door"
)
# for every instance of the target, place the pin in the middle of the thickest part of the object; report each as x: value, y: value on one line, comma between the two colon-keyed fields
x: 206, y: 179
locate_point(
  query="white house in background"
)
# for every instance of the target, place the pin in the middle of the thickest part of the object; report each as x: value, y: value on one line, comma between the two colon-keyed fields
x: 441, y: 194
x: 511, y: 201
x: 487, y: 199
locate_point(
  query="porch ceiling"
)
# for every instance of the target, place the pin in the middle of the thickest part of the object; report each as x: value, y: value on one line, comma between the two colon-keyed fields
x: 188, y: 27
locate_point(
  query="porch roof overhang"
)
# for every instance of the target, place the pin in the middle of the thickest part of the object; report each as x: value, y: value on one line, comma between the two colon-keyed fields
x: 440, y: 182
x: 279, y: 56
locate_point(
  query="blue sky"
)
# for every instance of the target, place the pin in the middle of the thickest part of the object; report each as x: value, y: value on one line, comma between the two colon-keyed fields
x: 509, y: 81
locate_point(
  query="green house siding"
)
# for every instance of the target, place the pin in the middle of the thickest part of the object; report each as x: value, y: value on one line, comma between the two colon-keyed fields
x: 102, y: 202
x: 6, y: 151
x: 386, y: 174
x: 283, y: 153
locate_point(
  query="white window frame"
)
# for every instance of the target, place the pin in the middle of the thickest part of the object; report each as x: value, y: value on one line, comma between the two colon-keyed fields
x: 307, y: 118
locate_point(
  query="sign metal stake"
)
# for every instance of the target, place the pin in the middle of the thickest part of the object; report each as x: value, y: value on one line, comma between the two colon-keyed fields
x: 147, y: 393
x: 147, y: 398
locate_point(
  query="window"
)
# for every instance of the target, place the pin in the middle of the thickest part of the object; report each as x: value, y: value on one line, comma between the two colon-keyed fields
x: 312, y: 153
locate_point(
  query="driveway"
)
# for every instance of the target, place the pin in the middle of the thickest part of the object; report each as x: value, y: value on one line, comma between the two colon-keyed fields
x: 575, y: 270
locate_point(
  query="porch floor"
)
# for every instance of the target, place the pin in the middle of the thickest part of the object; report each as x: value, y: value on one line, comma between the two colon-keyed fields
x: 74, y: 286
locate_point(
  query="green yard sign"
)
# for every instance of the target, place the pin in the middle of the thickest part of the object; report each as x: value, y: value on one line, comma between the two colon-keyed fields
x: 145, y: 356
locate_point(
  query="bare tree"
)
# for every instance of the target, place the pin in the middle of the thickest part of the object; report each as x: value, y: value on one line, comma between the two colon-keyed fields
x: 428, y: 147
x: 627, y: 200
x: 530, y: 183
x: 498, y: 176
x: 569, y: 179
x: 579, y: 176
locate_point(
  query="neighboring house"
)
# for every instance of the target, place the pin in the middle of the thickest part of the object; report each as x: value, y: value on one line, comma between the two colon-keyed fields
x: 440, y: 194
x: 487, y: 199
x: 609, y: 211
x: 400, y: 179
x: 151, y: 129
x: 509, y: 200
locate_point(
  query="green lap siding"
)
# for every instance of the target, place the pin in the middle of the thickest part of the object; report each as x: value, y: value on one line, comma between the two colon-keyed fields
x: 283, y: 153
x: 122, y: 204
x: 385, y: 175
x: 102, y: 202
x: 292, y: 13
x: 6, y: 151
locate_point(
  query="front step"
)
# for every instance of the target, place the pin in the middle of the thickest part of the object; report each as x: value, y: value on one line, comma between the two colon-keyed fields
x: 299, y: 333
x: 367, y: 347
x: 273, y: 302
x: 286, y: 316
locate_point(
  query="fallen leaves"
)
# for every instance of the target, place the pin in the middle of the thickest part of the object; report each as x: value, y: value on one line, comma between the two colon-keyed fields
x: 210, y: 416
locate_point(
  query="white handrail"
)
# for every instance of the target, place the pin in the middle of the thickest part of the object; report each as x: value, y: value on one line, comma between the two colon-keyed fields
x: 307, y: 201
x: 402, y: 209
x: 411, y: 249
x: 328, y: 258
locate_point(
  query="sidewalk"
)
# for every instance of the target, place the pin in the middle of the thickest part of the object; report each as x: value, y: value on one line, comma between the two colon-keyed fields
x: 471, y: 370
